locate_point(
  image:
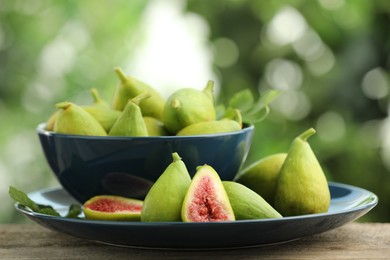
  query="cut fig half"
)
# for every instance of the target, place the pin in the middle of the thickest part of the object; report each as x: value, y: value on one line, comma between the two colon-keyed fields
x: 206, y: 199
x: 111, y: 207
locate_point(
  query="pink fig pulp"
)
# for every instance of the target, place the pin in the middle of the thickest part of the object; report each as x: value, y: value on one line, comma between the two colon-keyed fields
x: 110, y: 207
x: 206, y: 199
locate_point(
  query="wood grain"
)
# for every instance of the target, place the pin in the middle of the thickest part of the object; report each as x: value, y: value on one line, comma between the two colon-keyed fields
x: 352, y: 241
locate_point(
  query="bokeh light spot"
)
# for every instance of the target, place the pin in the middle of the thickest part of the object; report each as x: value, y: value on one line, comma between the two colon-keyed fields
x: 294, y: 105
x: 225, y: 52
x: 322, y: 64
x: 331, y: 126
x: 375, y: 84
x: 283, y: 74
x: 309, y: 47
x: 287, y: 26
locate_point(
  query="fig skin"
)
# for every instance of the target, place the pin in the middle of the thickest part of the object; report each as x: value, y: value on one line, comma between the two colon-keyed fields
x: 262, y: 176
x: 155, y: 127
x: 230, y: 123
x: 188, y: 106
x: 165, y: 198
x: 302, y: 187
x: 73, y: 119
x: 206, y: 199
x: 52, y: 121
x: 117, y: 208
x: 131, y: 122
x: 211, y: 127
x: 130, y: 87
x: 105, y: 116
x: 247, y: 204
x: 100, y: 110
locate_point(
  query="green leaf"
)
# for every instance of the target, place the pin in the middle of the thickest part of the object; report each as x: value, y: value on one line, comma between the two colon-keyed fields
x: 24, y: 200
x: 265, y: 99
x: 220, y: 111
x: 242, y: 100
x: 233, y: 114
x: 256, y: 116
x: 48, y: 210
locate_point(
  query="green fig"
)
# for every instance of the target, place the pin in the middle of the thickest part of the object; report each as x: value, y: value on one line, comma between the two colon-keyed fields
x: 155, y: 127
x: 247, y: 204
x: 101, y: 111
x: 130, y: 122
x: 52, y: 121
x: 106, y: 119
x: 165, y: 198
x: 302, y: 187
x: 188, y: 106
x: 73, y: 119
x: 262, y: 176
x: 112, y: 207
x: 206, y: 199
x: 231, y: 123
x: 97, y: 100
x: 130, y: 87
x: 105, y: 116
x: 211, y: 127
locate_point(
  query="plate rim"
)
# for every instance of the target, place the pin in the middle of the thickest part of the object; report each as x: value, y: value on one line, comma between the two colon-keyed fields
x: 369, y: 205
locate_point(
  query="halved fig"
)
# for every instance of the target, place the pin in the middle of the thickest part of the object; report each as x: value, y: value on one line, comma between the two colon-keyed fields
x: 206, y: 199
x: 111, y: 207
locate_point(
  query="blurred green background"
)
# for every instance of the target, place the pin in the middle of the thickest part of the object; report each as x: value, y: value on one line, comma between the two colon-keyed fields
x: 331, y: 58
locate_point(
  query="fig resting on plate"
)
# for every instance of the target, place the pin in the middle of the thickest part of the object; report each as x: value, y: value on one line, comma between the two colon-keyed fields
x: 111, y: 207
x: 302, y: 186
x: 165, y: 198
x: 206, y: 199
x: 262, y: 176
x: 247, y: 204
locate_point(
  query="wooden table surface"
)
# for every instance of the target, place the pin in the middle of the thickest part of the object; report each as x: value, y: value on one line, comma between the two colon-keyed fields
x: 352, y: 241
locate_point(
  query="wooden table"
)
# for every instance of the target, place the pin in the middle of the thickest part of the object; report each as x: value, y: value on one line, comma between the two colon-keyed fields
x: 352, y: 241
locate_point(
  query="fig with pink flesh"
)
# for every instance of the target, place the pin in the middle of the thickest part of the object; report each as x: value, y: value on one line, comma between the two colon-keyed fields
x: 111, y: 207
x: 206, y: 199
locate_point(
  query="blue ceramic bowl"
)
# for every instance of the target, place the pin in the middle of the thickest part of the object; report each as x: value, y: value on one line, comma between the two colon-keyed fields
x: 128, y: 166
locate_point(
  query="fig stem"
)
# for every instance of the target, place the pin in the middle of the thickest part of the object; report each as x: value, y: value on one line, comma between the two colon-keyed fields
x: 137, y: 99
x: 63, y: 105
x: 209, y: 89
x: 176, y: 157
x: 122, y: 76
x: 305, y: 135
x: 95, y: 95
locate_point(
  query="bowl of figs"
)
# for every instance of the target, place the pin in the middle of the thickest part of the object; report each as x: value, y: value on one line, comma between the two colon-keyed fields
x: 122, y: 147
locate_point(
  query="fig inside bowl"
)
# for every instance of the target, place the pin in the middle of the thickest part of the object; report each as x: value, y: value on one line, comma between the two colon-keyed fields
x: 86, y: 166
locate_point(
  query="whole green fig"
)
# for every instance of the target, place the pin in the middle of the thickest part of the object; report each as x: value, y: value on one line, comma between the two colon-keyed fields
x: 130, y: 87
x: 188, y: 106
x: 247, y: 204
x: 155, y: 127
x: 262, y: 176
x: 73, y: 119
x: 302, y: 187
x: 130, y: 122
x: 165, y: 198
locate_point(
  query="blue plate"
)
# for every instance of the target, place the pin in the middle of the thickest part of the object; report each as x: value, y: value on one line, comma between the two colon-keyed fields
x: 348, y: 204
